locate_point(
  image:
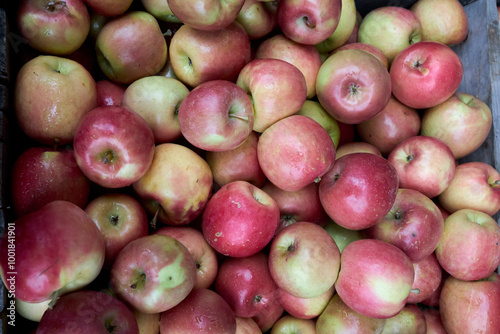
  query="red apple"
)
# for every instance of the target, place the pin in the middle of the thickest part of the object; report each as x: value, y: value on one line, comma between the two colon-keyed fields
x: 247, y: 326
x: 428, y: 277
x: 410, y: 319
x: 314, y: 109
x: 365, y: 47
x: 268, y: 317
x: 109, y: 93
x: 433, y: 321
x: 291, y: 324
x: 356, y: 147
x: 109, y: 8
x: 347, y: 22
x: 305, y: 308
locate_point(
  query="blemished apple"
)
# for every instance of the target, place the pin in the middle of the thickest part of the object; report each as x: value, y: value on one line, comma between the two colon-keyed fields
x: 109, y: 8
x: 359, y: 190
x: 65, y: 254
x: 217, y: 115
x: 161, y: 10
x: 291, y: 324
x: 53, y: 27
x: 276, y: 87
x: 428, y: 276
x: 88, y: 311
x: 153, y: 273
x: 356, y: 147
x: 345, y: 27
x: 240, y: 219
x: 353, y: 86
x: 365, y: 47
x: 295, y: 152
x: 258, y: 18
x: 305, y: 308
x: 109, y: 93
x: 342, y: 236
x: 410, y: 319
x: 314, y: 109
x: 51, y: 95
x: 113, y: 146
x: 469, y: 248
x: 130, y: 47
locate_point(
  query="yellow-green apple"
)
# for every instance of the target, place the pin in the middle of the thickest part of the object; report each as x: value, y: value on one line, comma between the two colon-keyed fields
x: 51, y: 95
x: 314, y: 109
x: 109, y: 8
x: 157, y: 99
x: 153, y: 273
x: 340, y: 318
x: 475, y: 185
x: 304, y: 260
x: 356, y: 147
x: 433, y: 321
x: 365, y: 47
x: 30, y: 311
x: 158, y: 188
x: 305, y: 308
x: 269, y: 316
x: 208, y: 15
x: 130, y: 47
x: 469, y: 248
x: 342, y: 236
x: 97, y: 21
x: 53, y: 27
x: 149, y: 323
x: 428, y: 277
x: 296, y: 206
x: 240, y: 219
x: 113, y: 146
x: 258, y: 18
x: 359, y: 190
x: 425, y: 74
x: 40, y: 175
x: 443, y: 21
x: 204, y: 255
x: 353, y: 86
x: 395, y: 123
x: 305, y: 57
x: 375, y: 278
x: 247, y: 326
x: 65, y: 254
x: 344, y: 29
x: 217, y: 115
x: 246, y: 284
x: 414, y: 224
x: 471, y: 307
x: 291, y: 324
x: 308, y: 22
x: 264, y: 80
x: 109, y: 93
x: 161, y: 10
x: 120, y: 218
x: 391, y: 29
x: 202, y: 311
x: 463, y: 122
x: 198, y: 56
x: 410, y: 320
x: 294, y: 152
x: 238, y: 164
x: 423, y: 163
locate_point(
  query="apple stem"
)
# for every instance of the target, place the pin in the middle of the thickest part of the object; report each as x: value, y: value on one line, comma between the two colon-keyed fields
x: 155, y: 218
x: 53, y: 6
x: 57, y: 140
x: 417, y: 291
x: 496, y: 183
x: 308, y: 23
x: 317, y: 179
x: 52, y: 303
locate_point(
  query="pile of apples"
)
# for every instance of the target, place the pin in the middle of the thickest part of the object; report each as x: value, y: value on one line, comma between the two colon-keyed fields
x: 249, y: 166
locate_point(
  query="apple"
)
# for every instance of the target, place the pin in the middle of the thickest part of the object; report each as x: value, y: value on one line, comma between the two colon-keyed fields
x: 268, y: 317
x: 304, y: 260
x: 410, y: 319
x: 423, y: 163
x: 88, y: 311
x: 433, y: 321
x: 277, y: 89
x: 65, y: 254
x: 353, y: 86
x: 475, y: 185
x: 359, y: 190
x: 153, y: 273
x: 120, y: 218
x: 291, y: 324
x: 149, y: 323
x: 314, y: 109
x: 109, y: 93
x: 130, y: 47
x: 53, y: 27
x: 365, y: 47
x: 31, y: 311
x: 425, y: 74
x: 51, y: 95
x: 258, y: 18
x: 469, y: 248
x: 356, y: 147
x: 295, y: 152
x: 442, y: 21
x: 197, y: 56
x: 341, y: 235
x: 202, y: 311
x: 305, y: 308
x: 428, y: 277
x: 240, y: 219
x: 471, y: 307
x: 344, y: 29
x: 247, y: 326
x: 375, y: 278
x: 113, y: 146
x: 161, y: 10
x: 109, y: 8
x: 433, y: 299
x: 347, y: 133
x: 468, y: 123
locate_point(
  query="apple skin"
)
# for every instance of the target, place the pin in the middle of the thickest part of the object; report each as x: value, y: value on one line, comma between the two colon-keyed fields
x: 268, y: 317
x: 468, y: 123
x: 409, y: 320
x: 365, y: 47
x: 359, y: 190
x: 149, y: 323
x: 153, y: 273
x: 356, y: 147
x: 54, y: 27
x: 471, y: 307
x: 295, y: 152
x: 258, y: 18
x: 425, y: 74
x: 353, y: 86
x: 109, y: 93
x: 314, y: 109
x: 344, y: 29
x: 198, y: 56
x: 428, y: 277
x: 469, y: 248
x: 375, y: 278
x: 51, y: 95
x: 130, y: 47
x: 202, y: 311
x: 113, y: 146
x: 291, y: 324
x: 433, y: 321
x: 240, y: 219
x: 342, y: 235
x: 161, y: 10
x: 109, y: 8
x: 475, y: 185
x: 305, y: 308
x: 88, y: 312
x: 65, y: 255
x: 423, y: 163
x: 204, y: 255
x: 247, y: 326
